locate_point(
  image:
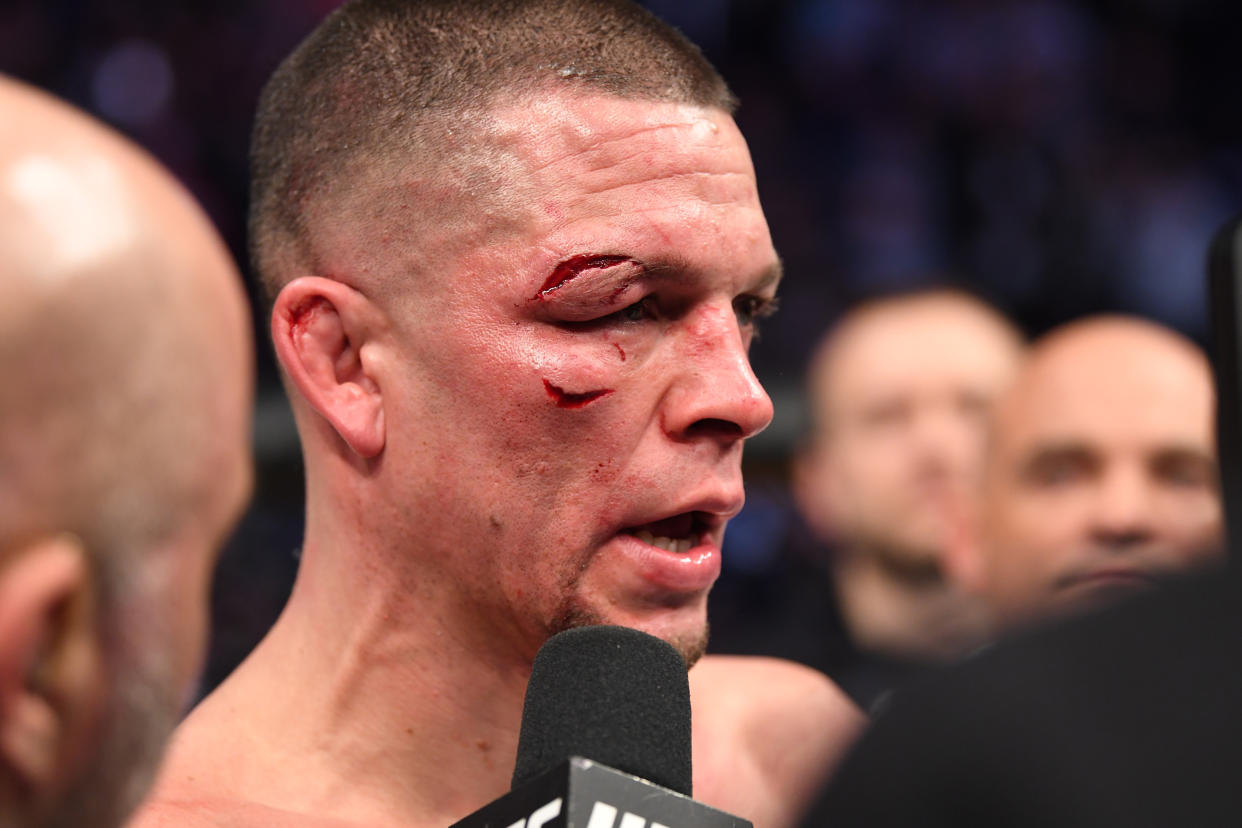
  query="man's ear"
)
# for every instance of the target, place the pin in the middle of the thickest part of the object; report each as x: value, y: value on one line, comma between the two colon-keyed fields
x: 51, y: 669
x: 321, y: 329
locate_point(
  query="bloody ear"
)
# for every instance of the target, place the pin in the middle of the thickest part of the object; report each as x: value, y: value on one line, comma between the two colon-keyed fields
x: 320, y: 327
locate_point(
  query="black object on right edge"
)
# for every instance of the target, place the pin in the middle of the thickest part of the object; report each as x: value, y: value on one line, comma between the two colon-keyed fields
x: 1225, y: 300
x: 622, y: 698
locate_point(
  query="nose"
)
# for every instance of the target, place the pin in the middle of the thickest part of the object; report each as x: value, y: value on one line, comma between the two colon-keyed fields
x: 716, y: 395
x: 1122, y: 515
x: 944, y: 443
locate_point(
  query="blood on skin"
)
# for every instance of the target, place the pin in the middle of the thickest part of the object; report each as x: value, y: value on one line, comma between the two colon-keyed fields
x: 620, y: 351
x: 305, y: 316
x: 566, y: 399
x: 573, y: 268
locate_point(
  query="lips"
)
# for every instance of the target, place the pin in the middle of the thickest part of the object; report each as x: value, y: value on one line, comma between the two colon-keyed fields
x: 1114, y: 577
x: 1097, y: 585
x: 679, y: 554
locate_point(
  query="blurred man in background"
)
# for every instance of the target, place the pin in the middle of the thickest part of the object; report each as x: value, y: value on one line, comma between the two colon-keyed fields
x: 124, y: 457
x: 1101, y: 472
x: 1101, y: 481
x: 899, y: 392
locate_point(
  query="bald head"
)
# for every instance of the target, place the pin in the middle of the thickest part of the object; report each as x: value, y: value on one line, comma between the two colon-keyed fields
x: 1101, y: 474
x: 125, y: 347
x: 123, y: 335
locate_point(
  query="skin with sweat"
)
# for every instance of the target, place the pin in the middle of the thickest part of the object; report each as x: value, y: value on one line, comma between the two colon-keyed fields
x: 459, y: 512
x: 527, y: 331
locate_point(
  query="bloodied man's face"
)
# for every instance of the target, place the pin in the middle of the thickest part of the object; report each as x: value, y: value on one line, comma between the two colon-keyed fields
x: 577, y: 388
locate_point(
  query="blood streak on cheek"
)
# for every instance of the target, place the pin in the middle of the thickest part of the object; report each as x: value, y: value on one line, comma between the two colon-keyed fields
x: 567, y: 399
x: 575, y: 267
x: 620, y: 351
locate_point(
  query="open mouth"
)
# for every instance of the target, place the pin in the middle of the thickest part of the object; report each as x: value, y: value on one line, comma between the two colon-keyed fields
x: 678, y: 534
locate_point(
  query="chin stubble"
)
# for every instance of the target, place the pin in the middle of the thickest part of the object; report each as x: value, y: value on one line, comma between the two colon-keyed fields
x: 573, y: 613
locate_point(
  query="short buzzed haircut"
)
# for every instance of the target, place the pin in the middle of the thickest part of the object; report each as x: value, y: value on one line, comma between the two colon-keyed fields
x: 387, y: 80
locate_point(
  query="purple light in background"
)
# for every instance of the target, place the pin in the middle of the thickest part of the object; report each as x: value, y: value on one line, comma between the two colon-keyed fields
x: 132, y: 83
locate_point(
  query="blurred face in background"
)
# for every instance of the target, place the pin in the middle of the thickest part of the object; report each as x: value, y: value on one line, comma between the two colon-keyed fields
x: 1102, y: 474
x: 901, y: 392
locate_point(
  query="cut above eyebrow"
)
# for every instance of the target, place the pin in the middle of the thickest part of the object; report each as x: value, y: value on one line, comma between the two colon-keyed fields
x: 574, y: 267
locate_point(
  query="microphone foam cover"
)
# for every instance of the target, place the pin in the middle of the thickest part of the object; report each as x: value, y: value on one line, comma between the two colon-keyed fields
x: 613, y: 695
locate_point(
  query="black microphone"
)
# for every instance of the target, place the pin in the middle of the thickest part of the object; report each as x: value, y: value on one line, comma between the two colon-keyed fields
x: 605, y: 739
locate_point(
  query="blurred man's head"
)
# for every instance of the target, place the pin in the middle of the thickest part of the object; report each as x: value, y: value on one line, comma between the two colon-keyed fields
x: 899, y: 393
x: 517, y: 253
x: 124, y: 460
x: 1101, y: 471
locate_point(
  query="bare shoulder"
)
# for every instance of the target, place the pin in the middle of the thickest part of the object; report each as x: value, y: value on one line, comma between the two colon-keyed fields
x: 196, y: 814
x: 197, y: 786
x: 767, y: 733
x: 171, y: 815
x: 203, y: 813
x: 768, y: 692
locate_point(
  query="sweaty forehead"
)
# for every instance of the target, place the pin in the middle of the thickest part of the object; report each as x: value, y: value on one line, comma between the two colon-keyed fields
x: 600, y: 141
x: 558, y: 174
x: 1110, y: 388
x: 606, y: 175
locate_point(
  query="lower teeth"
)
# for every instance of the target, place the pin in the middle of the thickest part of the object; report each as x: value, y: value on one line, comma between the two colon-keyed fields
x: 679, y: 546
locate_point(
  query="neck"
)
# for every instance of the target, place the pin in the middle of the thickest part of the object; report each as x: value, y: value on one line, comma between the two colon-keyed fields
x: 376, y: 707
x: 906, y: 612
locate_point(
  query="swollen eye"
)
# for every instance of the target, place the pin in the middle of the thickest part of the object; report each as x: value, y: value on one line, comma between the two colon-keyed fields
x: 640, y: 310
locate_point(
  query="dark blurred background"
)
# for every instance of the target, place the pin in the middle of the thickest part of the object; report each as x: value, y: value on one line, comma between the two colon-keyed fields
x: 1058, y: 157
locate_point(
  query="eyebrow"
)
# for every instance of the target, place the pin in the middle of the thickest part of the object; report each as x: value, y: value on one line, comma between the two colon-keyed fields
x: 1059, y: 450
x: 771, y: 276
x: 1058, y: 447
x: 1176, y: 453
x: 1062, y: 450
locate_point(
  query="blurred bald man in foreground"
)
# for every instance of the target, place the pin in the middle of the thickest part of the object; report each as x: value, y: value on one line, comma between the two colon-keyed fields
x: 124, y: 457
x: 1101, y: 475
